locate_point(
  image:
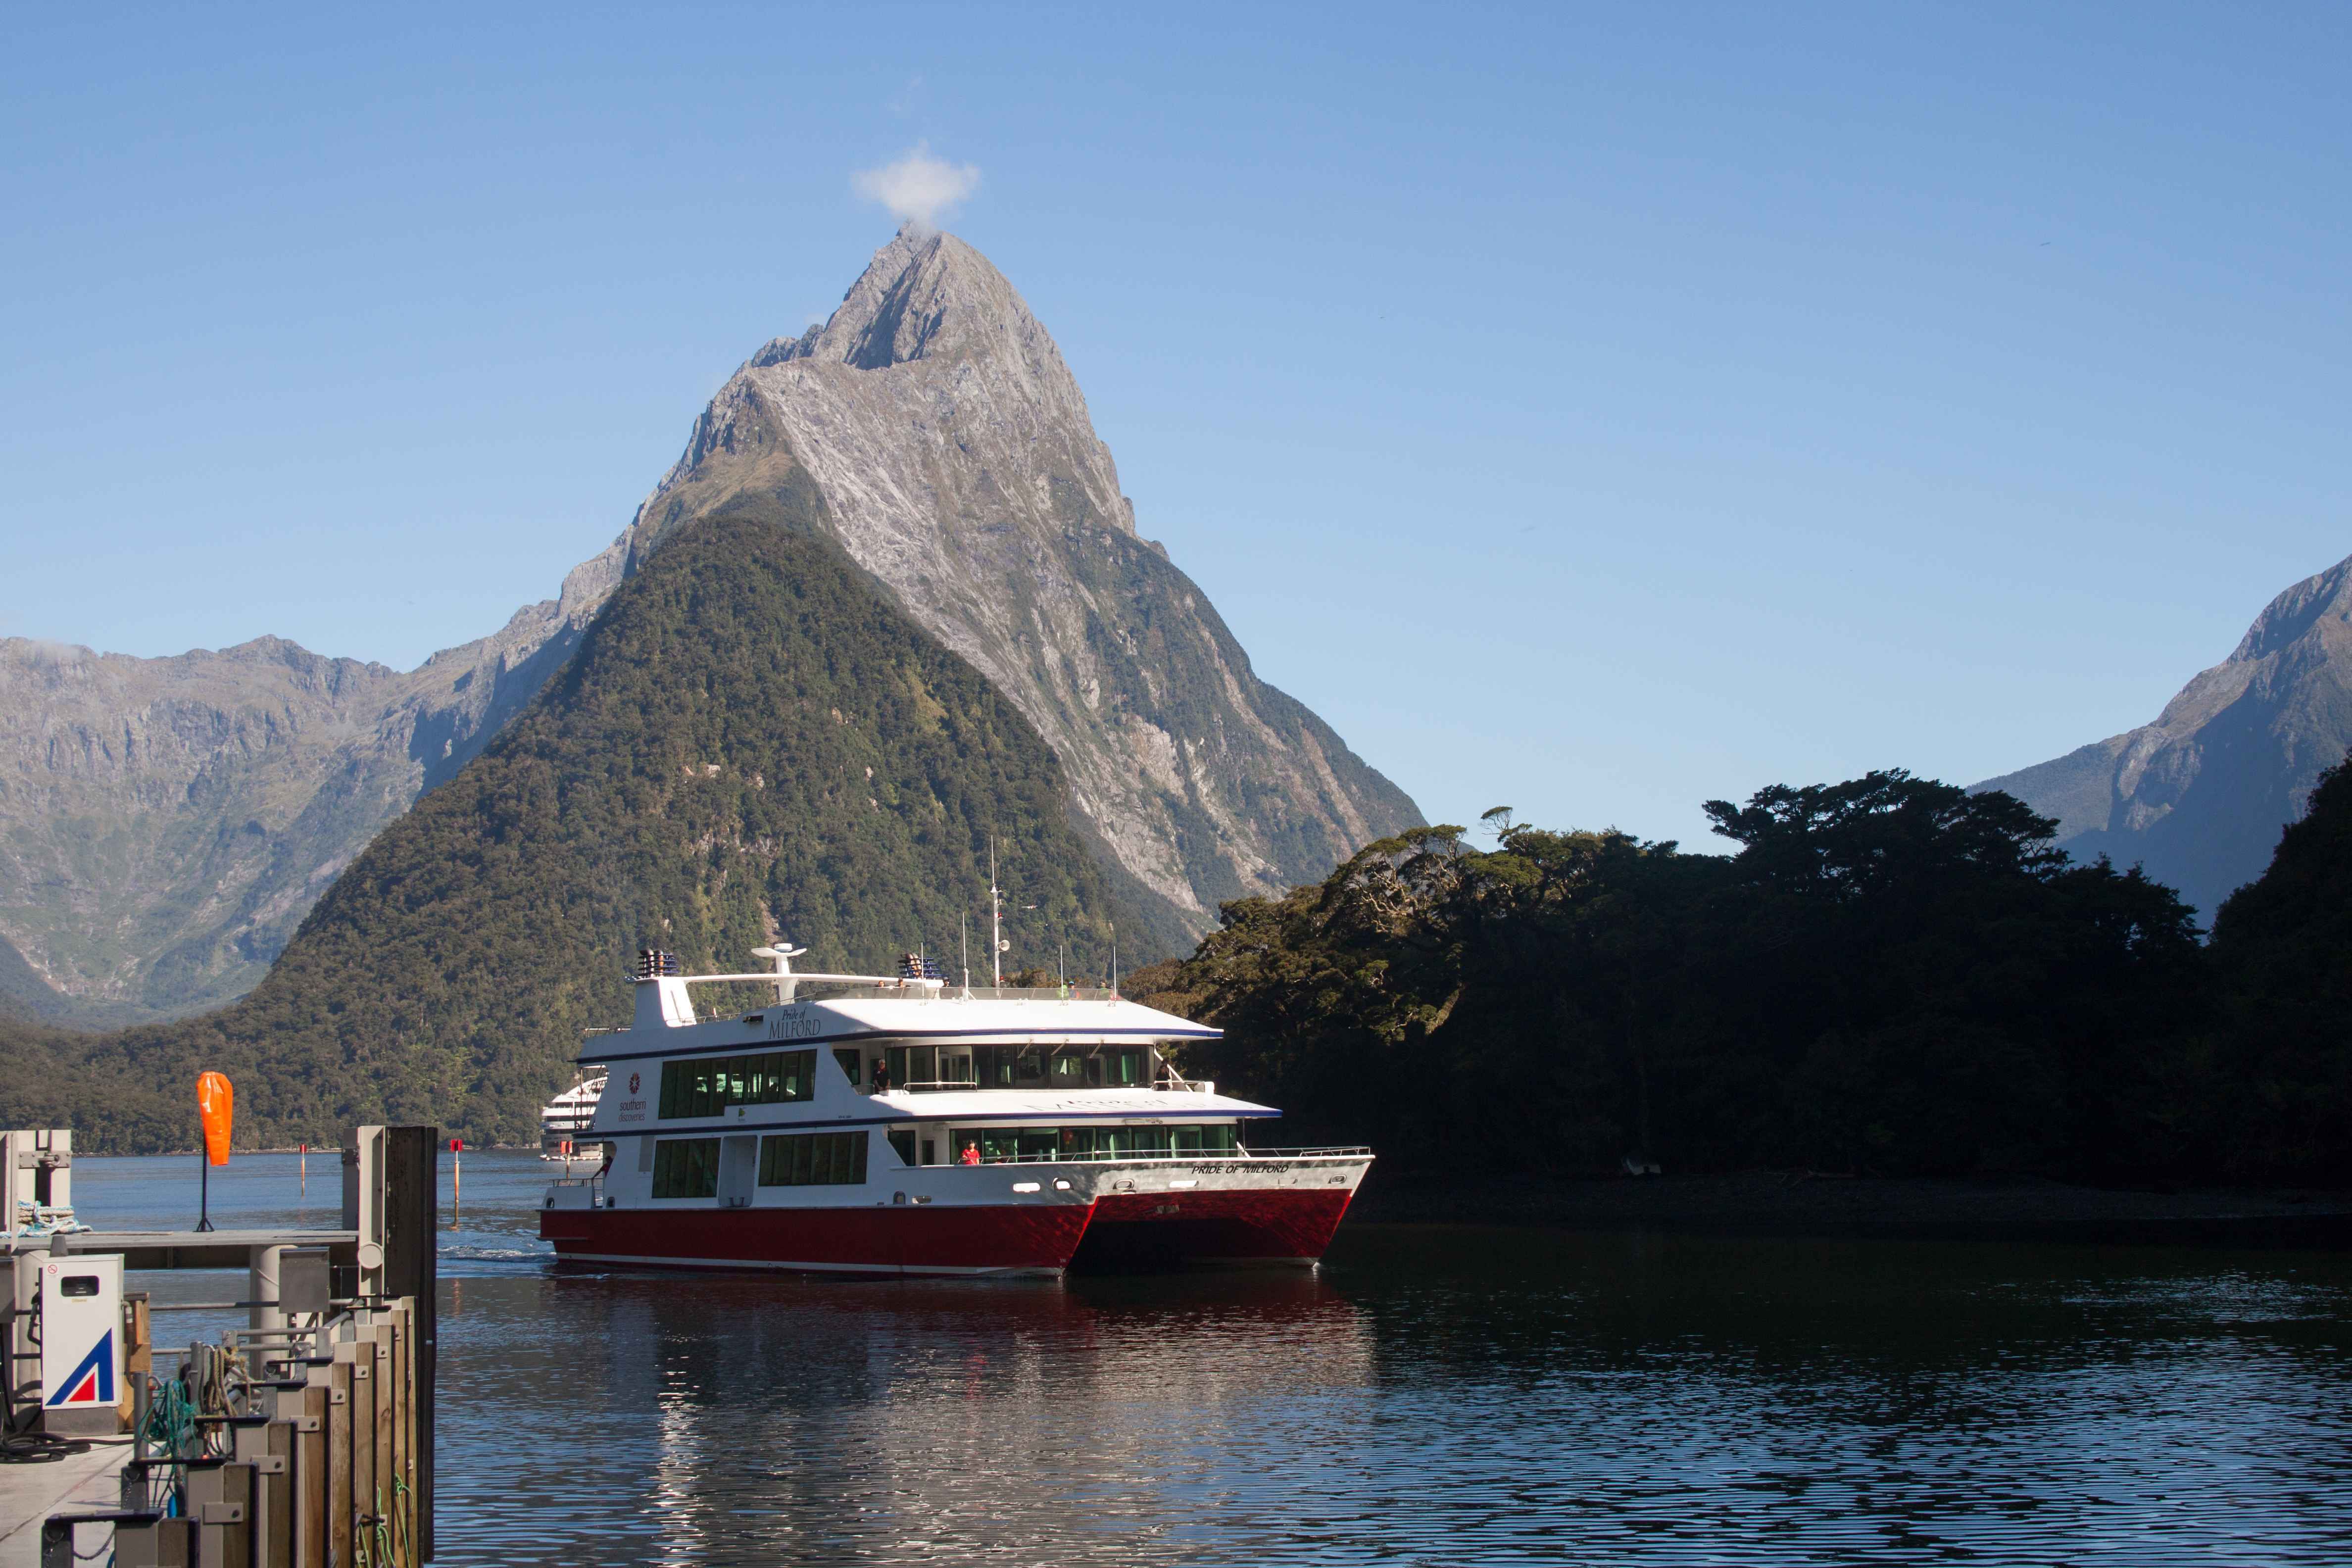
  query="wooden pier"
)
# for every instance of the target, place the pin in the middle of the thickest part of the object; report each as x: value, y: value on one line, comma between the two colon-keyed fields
x: 302, y: 1440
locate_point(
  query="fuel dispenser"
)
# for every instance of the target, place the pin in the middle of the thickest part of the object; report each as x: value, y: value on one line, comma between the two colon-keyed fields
x: 81, y: 1342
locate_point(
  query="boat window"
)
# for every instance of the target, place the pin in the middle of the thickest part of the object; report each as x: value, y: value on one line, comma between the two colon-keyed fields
x: 706, y: 1086
x: 914, y: 1067
x: 903, y: 1140
x: 1067, y: 1069
x: 686, y: 1168
x: 995, y: 1067
x: 813, y: 1159
x: 1095, y: 1141
x: 853, y: 1066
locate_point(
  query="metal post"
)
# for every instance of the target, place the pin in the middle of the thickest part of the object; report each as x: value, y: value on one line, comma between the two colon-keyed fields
x: 261, y: 1285
x: 203, y: 1190
x: 364, y: 1190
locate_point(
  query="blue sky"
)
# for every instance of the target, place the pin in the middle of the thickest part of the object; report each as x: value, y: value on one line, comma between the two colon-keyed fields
x: 1593, y: 410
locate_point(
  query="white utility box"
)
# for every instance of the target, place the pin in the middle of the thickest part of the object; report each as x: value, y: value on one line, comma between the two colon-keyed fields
x: 81, y: 1343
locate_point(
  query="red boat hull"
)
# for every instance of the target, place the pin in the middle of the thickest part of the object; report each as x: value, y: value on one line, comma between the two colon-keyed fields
x: 896, y: 1238
x: 1265, y: 1226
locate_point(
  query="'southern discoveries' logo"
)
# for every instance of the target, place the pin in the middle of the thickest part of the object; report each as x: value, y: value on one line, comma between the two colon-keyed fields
x: 633, y: 1109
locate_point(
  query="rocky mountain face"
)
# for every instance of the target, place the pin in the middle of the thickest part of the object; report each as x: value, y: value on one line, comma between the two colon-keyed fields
x: 2198, y: 797
x: 957, y: 463
x: 750, y: 738
x: 164, y: 824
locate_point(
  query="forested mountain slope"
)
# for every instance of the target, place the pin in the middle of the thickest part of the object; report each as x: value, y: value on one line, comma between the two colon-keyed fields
x: 2284, y: 947
x: 751, y: 741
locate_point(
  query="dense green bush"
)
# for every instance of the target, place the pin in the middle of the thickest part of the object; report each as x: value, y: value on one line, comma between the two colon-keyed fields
x: 1892, y: 975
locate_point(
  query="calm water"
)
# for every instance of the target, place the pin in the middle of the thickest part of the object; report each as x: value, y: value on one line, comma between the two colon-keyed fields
x: 1434, y: 1395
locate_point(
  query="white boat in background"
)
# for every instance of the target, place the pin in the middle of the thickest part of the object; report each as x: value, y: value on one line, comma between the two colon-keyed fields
x: 564, y: 1124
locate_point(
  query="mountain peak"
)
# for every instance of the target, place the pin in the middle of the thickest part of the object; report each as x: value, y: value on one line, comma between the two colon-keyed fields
x: 926, y: 295
x: 933, y: 430
x: 2199, y: 795
x: 2293, y: 614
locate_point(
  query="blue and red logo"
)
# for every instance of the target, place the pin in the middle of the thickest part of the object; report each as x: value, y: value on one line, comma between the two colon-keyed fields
x: 91, y: 1383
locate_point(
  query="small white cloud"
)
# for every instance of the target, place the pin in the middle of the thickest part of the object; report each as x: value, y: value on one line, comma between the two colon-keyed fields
x: 917, y: 188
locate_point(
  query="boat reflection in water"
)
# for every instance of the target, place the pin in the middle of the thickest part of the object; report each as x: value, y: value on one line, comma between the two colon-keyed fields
x: 790, y: 1421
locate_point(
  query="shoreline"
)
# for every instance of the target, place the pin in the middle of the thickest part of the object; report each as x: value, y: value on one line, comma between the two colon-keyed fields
x: 1804, y: 1204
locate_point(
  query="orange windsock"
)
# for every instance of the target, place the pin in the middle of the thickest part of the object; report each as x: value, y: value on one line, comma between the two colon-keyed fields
x: 213, y: 1103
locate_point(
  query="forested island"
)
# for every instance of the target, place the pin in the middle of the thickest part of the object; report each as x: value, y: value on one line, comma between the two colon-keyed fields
x: 1891, y: 977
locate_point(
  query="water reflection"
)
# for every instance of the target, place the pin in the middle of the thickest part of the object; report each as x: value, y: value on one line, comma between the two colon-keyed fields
x: 1433, y: 1396
x: 776, y: 1420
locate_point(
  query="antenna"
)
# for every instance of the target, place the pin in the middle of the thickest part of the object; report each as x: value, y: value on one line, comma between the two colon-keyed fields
x: 995, y: 921
x: 1113, y: 960
x: 964, y: 935
x: 782, y: 953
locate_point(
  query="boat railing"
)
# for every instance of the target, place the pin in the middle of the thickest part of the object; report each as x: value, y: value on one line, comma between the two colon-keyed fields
x: 944, y: 1085
x: 1033, y: 993
x: 934, y: 991
x: 1338, y: 1151
x: 1074, y: 1157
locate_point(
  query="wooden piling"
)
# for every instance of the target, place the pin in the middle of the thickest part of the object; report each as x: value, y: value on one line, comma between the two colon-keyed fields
x: 403, y: 1496
x: 339, y: 1459
x: 273, y: 1530
x: 236, y: 1537
x: 310, y: 1473
x: 364, y: 1482
x: 387, y: 1466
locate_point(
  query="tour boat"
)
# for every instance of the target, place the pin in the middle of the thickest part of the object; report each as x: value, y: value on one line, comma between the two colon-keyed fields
x: 564, y: 1124
x: 899, y: 1125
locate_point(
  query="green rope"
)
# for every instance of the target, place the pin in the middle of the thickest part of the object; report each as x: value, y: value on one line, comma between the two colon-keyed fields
x: 172, y: 1420
x: 403, y: 1509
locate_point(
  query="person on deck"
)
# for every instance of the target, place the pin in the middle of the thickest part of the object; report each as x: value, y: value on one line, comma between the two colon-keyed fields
x: 971, y: 1153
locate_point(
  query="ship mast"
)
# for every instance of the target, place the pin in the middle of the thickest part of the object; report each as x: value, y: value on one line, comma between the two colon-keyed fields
x: 995, y: 922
